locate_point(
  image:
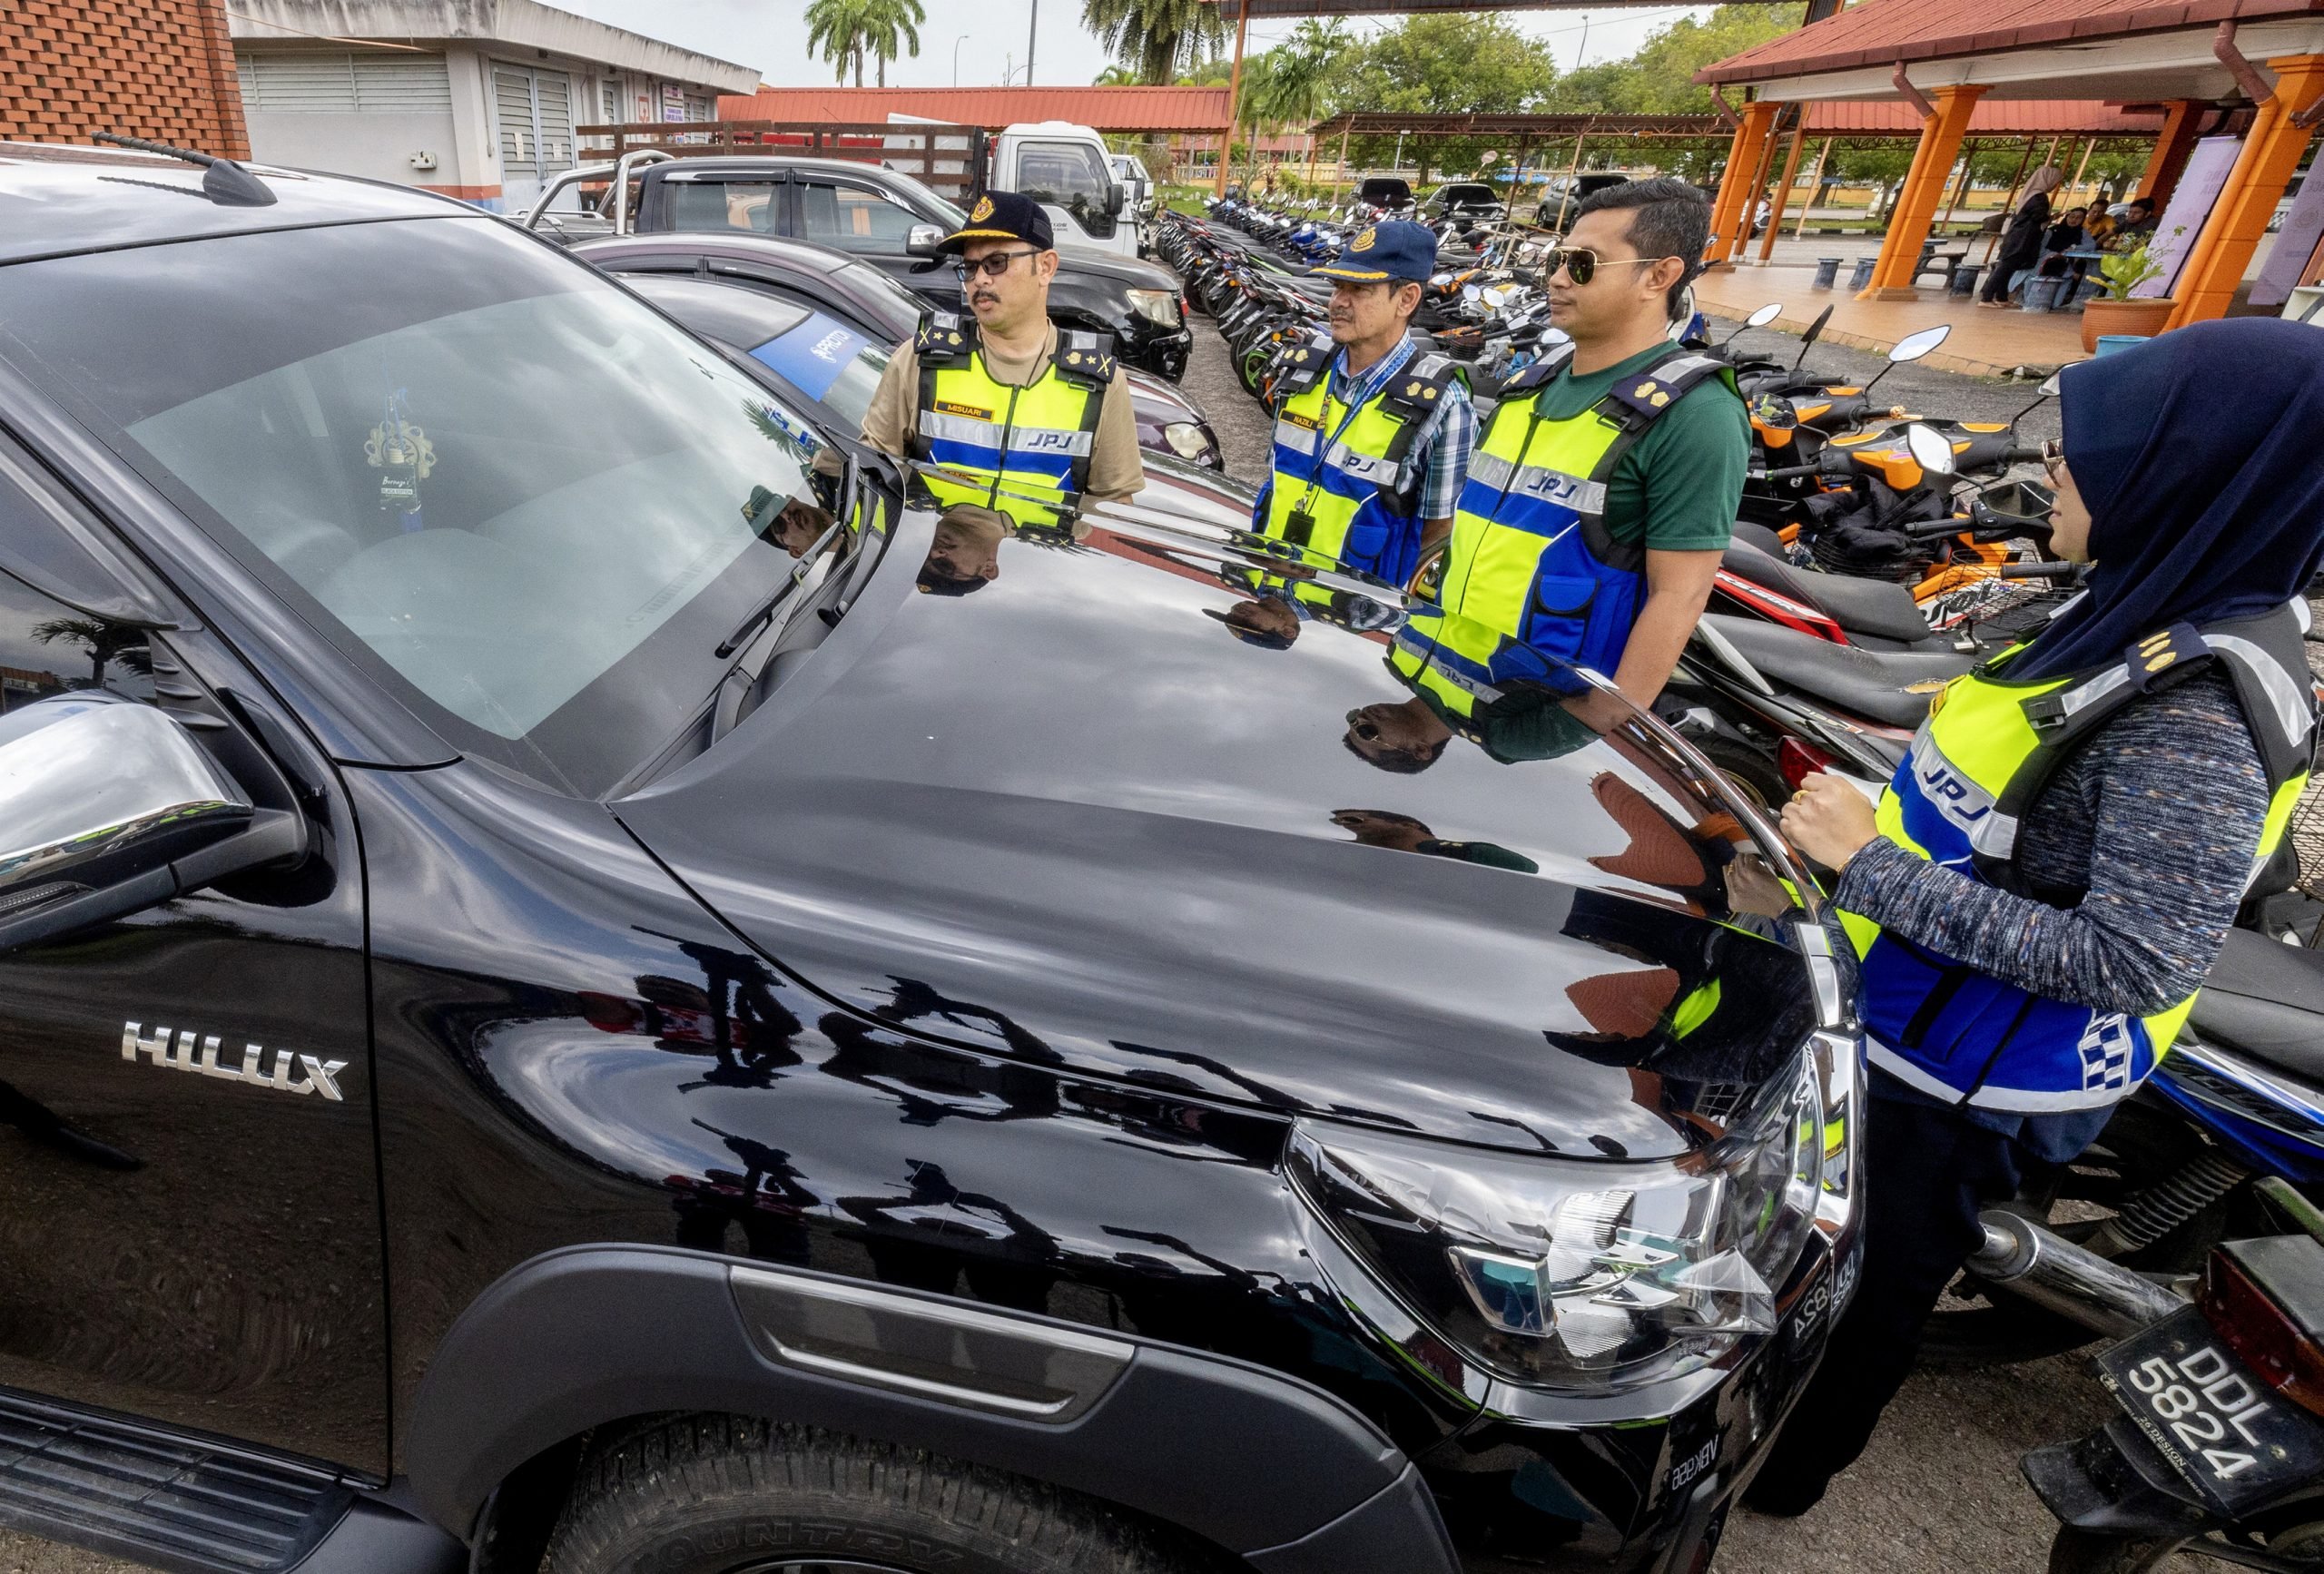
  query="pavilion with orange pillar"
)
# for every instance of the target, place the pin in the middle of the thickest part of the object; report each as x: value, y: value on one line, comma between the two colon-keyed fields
x: 2252, y: 68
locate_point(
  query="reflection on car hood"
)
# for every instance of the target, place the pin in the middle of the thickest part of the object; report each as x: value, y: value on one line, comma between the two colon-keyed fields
x: 1130, y: 272
x: 1092, y: 814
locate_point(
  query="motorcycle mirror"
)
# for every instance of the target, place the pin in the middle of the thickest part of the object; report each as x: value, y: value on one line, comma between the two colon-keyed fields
x: 1765, y: 315
x: 1815, y: 330
x: 1929, y: 449
x: 1471, y: 293
x: 2050, y: 384
x: 2048, y: 391
x: 1496, y: 299
x: 1913, y: 346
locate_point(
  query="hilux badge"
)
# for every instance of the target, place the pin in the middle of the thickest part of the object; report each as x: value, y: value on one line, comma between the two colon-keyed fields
x: 187, y: 1050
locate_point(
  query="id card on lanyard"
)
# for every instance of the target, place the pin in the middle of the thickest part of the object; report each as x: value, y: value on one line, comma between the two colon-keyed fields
x: 1299, y: 524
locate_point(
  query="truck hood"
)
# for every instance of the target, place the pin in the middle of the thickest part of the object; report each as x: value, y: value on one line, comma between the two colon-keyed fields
x: 1087, y: 817
x: 1129, y: 273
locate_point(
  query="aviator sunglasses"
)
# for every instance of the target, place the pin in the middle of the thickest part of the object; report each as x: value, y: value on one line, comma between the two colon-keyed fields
x: 1581, y: 264
x: 992, y: 265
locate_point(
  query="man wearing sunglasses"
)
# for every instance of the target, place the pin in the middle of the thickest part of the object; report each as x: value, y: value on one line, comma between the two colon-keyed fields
x: 1603, y: 491
x: 1002, y: 410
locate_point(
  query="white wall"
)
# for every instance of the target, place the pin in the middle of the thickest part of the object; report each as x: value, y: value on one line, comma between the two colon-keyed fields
x: 375, y: 146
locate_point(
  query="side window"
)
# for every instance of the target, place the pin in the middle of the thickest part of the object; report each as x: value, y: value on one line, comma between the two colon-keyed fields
x: 1068, y: 175
x: 746, y: 205
x: 851, y: 218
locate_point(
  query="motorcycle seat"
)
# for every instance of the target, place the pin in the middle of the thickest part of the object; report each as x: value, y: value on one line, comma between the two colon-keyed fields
x: 1876, y: 685
x: 2266, y: 1000
x: 1875, y: 606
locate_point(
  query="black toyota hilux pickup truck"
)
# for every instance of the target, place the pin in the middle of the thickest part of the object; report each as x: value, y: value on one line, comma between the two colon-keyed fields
x: 586, y: 984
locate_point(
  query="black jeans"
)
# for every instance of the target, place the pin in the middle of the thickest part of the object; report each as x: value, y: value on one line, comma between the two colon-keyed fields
x: 1927, y: 1172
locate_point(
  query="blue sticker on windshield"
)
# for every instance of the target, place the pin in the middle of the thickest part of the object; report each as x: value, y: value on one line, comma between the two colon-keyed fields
x: 812, y: 356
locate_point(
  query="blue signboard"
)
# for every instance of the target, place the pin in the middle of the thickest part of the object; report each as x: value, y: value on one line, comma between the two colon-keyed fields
x: 812, y: 356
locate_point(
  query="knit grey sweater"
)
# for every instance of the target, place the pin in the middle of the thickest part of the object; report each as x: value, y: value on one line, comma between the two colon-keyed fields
x: 2155, y: 818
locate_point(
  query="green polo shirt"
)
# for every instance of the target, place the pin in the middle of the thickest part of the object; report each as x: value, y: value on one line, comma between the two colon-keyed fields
x: 1678, y: 488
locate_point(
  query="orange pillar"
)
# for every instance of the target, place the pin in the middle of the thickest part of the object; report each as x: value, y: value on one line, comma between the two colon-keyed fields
x: 1735, y: 187
x: 2271, y: 152
x: 1783, y: 191
x: 2172, y: 143
x: 1916, y: 210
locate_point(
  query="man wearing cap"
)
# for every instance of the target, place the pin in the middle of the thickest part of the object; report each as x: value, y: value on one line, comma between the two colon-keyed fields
x: 1371, y: 439
x: 1002, y: 410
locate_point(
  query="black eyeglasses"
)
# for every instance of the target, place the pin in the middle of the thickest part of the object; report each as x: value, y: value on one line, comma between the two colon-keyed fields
x: 992, y: 265
x: 1581, y: 264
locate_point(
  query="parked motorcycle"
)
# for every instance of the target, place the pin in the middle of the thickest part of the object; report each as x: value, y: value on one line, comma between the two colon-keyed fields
x: 2219, y: 1450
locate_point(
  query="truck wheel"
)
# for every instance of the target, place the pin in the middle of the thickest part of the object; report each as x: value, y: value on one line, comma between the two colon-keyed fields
x: 719, y: 1494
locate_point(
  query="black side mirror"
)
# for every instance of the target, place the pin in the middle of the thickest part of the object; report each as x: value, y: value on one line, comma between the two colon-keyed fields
x: 113, y: 808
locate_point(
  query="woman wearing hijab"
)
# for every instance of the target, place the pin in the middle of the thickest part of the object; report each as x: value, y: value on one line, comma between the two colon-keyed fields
x: 2021, y: 245
x: 2057, y: 863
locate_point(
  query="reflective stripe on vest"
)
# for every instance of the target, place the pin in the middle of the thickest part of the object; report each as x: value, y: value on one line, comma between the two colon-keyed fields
x: 1332, y: 466
x: 1976, y: 764
x: 1525, y: 591
x: 1024, y: 451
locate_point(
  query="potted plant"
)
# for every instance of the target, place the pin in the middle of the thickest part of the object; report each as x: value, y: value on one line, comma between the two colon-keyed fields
x: 2115, y: 311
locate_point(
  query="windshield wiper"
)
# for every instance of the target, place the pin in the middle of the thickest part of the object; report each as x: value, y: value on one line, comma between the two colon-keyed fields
x: 759, y: 615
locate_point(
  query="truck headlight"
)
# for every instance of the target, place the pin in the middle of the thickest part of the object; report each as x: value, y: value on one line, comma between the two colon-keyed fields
x: 1156, y: 306
x: 1584, y: 1276
x: 1185, y: 440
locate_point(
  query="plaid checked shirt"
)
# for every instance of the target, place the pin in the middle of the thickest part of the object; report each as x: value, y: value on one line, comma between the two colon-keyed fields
x: 1444, y: 442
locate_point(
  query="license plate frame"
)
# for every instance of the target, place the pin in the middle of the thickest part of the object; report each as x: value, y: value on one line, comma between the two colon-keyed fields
x: 2234, y: 1439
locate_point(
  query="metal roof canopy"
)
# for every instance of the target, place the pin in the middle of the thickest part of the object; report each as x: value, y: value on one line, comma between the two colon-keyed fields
x: 2117, y: 50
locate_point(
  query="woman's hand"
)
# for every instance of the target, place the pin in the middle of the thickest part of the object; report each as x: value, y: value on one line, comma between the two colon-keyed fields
x: 1828, y: 820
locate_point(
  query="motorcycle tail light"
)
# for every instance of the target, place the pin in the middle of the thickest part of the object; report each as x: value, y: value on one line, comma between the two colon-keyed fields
x: 2267, y: 1338
x: 1799, y: 761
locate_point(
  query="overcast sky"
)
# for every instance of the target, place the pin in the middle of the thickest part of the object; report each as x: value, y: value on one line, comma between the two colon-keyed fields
x: 990, y: 37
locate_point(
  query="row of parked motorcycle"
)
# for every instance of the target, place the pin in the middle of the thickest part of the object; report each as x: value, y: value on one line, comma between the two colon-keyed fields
x: 1880, y: 552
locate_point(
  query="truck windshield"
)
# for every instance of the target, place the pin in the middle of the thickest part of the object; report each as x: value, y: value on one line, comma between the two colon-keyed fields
x: 529, y: 505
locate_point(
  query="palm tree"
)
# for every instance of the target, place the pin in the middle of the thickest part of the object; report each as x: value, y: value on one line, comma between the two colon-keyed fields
x: 1117, y: 76
x: 837, y: 30
x: 1155, y: 37
x: 882, y: 20
x: 1290, y: 84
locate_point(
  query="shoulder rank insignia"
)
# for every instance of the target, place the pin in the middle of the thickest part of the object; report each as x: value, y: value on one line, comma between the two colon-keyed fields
x: 1653, y: 392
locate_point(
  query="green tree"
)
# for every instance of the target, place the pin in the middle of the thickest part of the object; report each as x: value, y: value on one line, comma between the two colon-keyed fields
x: 885, y: 22
x: 1659, y: 77
x: 1443, y: 64
x: 836, y: 31
x: 1117, y: 76
x: 1294, y: 84
x: 1155, y: 37
x: 844, y: 32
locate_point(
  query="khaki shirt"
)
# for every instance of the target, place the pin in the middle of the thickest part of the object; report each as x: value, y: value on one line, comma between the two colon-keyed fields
x: 1115, y: 468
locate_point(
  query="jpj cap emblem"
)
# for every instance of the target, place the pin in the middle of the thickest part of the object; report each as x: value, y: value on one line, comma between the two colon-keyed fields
x: 982, y: 212
x: 1362, y: 242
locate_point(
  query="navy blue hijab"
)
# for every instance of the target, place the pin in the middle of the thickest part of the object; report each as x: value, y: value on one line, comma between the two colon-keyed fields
x: 2200, y: 457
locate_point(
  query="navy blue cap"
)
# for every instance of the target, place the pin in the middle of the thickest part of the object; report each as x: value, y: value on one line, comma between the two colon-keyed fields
x: 1397, y: 248
x: 1003, y: 216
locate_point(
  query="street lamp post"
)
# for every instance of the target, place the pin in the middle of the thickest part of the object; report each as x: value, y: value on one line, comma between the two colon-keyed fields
x: 1032, y: 31
x: 963, y: 38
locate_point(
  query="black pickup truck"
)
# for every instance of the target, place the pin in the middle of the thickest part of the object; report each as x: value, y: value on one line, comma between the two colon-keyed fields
x: 587, y: 984
x: 894, y: 221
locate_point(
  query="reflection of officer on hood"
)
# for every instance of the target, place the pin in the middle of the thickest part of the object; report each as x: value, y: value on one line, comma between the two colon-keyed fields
x: 1408, y: 736
x: 964, y: 554
x: 1386, y: 827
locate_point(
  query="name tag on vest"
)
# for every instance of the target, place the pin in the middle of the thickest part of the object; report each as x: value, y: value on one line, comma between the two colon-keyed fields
x: 1306, y: 422
x: 952, y: 408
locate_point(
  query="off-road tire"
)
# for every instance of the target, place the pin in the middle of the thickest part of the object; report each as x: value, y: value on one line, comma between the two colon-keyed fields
x: 717, y: 1494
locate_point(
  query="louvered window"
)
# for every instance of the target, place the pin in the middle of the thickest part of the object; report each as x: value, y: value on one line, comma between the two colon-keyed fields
x: 345, y: 84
